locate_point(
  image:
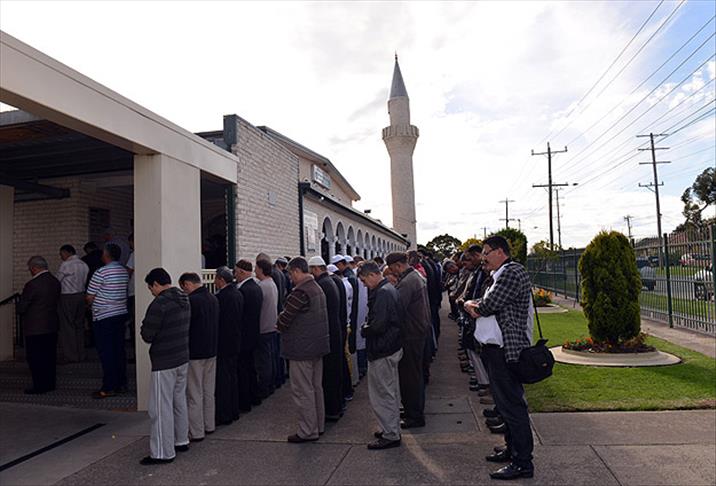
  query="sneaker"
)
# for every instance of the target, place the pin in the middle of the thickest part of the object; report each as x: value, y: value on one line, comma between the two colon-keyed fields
x: 383, y: 444
x: 150, y: 461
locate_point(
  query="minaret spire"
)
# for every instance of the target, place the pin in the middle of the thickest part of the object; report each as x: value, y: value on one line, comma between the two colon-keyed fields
x: 400, y: 139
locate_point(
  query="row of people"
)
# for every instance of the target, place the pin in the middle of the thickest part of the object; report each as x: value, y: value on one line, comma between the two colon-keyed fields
x: 491, y: 301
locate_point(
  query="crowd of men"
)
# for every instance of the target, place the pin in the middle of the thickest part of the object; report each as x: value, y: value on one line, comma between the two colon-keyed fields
x: 321, y: 326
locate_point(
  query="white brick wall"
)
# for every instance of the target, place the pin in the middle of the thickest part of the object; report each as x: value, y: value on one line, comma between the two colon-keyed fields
x: 267, y: 195
x: 41, y: 227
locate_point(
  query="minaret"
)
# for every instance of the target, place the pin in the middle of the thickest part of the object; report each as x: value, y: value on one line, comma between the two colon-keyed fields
x: 400, y: 138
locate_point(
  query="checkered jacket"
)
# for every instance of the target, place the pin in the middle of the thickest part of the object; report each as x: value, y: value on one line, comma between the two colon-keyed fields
x: 509, y: 302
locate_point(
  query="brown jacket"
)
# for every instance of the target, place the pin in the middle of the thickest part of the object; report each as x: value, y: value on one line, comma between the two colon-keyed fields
x: 38, y: 305
x: 413, y: 295
x: 304, y: 323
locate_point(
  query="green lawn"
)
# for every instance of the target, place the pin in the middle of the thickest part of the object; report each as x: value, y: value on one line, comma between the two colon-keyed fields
x: 698, y: 309
x: 690, y: 384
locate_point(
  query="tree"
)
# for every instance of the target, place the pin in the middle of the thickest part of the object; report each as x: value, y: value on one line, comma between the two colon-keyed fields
x: 468, y: 243
x: 443, y: 246
x: 610, y: 288
x: 542, y: 249
x: 698, y: 197
x: 518, y: 243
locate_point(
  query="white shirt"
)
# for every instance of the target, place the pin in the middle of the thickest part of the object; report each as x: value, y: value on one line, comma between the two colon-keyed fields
x: 73, y: 275
x: 130, y: 285
x: 349, y: 297
x: 487, y: 330
x: 362, y: 312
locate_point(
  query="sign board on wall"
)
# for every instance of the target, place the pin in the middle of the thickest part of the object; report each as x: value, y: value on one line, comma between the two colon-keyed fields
x: 310, y: 228
x: 320, y: 177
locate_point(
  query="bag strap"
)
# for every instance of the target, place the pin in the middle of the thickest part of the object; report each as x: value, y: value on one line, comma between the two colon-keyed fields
x: 534, y: 305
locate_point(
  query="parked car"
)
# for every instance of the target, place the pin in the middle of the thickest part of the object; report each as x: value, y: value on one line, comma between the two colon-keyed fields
x: 648, y: 274
x: 704, y: 284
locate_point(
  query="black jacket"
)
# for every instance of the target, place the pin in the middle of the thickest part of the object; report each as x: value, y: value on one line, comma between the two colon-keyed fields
x: 333, y: 305
x: 204, y: 328
x: 38, y: 305
x: 251, y: 318
x: 343, y: 312
x: 231, y: 308
x: 166, y: 328
x: 281, y: 285
x: 382, y: 331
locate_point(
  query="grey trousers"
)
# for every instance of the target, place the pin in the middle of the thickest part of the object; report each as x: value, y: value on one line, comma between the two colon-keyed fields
x: 168, y: 417
x: 71, y: 310
x: 200, y: 388
x: 307, y: 388
x: 384, y: 393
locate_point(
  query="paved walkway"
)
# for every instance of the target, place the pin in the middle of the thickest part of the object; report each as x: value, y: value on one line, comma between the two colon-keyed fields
x: 630, y: 448
x: 697, y: 341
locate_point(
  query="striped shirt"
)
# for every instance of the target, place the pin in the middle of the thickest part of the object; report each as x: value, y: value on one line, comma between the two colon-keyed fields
x: 109, y: 288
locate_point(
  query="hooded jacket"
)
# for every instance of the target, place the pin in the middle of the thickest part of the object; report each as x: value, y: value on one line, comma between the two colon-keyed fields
x: 166, y: 328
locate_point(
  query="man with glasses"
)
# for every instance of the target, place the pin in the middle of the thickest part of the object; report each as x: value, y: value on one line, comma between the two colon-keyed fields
x: 502, y: 339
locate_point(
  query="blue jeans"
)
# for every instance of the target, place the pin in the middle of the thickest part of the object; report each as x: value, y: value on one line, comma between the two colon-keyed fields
x: 109, y: 339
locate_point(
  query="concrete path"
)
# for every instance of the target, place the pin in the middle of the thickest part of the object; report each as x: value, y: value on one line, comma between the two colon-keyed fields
x: 571, y: 448
x: 696, y: 341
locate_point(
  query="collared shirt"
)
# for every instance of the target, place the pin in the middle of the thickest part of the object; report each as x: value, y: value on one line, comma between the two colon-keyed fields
x: 38, y: 274
x: 240, y: 284
x: 73, y: 275
x: 109, y: 288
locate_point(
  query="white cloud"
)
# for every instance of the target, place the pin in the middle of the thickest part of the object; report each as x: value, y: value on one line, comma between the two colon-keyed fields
x: 487, y: 81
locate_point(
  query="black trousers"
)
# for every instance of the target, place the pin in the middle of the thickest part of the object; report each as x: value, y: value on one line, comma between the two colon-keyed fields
x: 509, y: 395
x: 227, y: 389
x: 412, y: 381
x: 247, y: 380
x: 333, y: 382
x: 41, y: 355
x: 265, y: 362
x: 109, y: 340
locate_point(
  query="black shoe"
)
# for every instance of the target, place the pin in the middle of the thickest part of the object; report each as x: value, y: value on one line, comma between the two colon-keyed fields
x: 181, y: 448
x: 333, y: 418
x: 501, y: 456
x: 121, y: 389
x: 499, y: 448
x: 35, y: 391
x: 490, y: 413
x: 513, y: 471
x: 383, y: 444
x: 296, y: 439
x: 500, y: 429
x: 150, y: 461
x: 494, y: 422
x: 199, y: 439
x: 378, y: 434
x: 475, y: 387
x: 411, y: 423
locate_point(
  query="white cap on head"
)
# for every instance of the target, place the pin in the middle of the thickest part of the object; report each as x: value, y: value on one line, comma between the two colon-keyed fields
x: 348, y: 259
x: 332, y: 268
x: 316, y: 261
x: 337, y: 258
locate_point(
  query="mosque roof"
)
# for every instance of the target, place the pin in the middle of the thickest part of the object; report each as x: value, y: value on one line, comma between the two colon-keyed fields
x: 397, y: 88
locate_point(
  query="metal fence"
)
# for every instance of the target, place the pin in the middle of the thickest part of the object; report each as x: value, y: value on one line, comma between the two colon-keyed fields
x: 678, y: 277
x: 207, y: 278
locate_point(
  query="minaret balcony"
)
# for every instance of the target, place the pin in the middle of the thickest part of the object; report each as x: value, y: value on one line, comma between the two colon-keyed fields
x: 401, y: 131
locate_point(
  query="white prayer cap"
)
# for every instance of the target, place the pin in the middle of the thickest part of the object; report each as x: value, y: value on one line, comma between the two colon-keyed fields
x: 332, y: 268
x: 337, y: 258
x: 316, y: 261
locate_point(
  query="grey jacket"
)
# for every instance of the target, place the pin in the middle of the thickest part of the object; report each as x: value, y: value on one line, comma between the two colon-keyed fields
x: 414, y: 304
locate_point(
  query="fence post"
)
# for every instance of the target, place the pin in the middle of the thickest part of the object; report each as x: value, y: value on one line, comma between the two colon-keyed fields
x: 563, y: 260
x: 713, y: 264
x: 668, y: 281
x: 576, y: 277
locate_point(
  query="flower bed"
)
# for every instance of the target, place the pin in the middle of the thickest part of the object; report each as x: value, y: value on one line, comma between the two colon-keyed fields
x: 634, y: 345
x: 542, y: 297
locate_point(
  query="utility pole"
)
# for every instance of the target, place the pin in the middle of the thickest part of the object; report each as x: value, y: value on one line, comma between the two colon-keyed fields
x: 559, y: 222
x: 507, y: 219
x: 628, y: 218
x: 484, y: 233
x: 549, y: 186
x: 654, y: 186
x: 519, y: 224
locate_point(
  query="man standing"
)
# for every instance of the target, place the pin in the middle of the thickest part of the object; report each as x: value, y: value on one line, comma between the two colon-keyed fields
x: 502, y: 339
x: 110, y: 238
x: 332, y: 362
x: 231, y: 308
x: 203, y: 341
x: 93, y: 258
x: 305, y: 341
x: 72, y: 275
x: 265, y: 354
x: 343, y: 289
x: 38, y: 312
x: 166, y: 329
x: 383, y: 343
x: 107, y: 294
x: 250, y: 332
x: 416, y: 325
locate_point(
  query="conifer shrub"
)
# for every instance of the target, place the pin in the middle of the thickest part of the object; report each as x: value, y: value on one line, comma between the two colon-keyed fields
x: 610, y: 288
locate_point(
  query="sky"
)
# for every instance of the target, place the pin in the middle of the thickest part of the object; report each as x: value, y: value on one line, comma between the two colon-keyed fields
x: 488, y: 83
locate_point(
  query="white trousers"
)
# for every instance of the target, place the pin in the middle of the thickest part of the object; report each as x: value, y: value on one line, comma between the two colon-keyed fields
x: 200, y: 389
x: 167, y: 409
